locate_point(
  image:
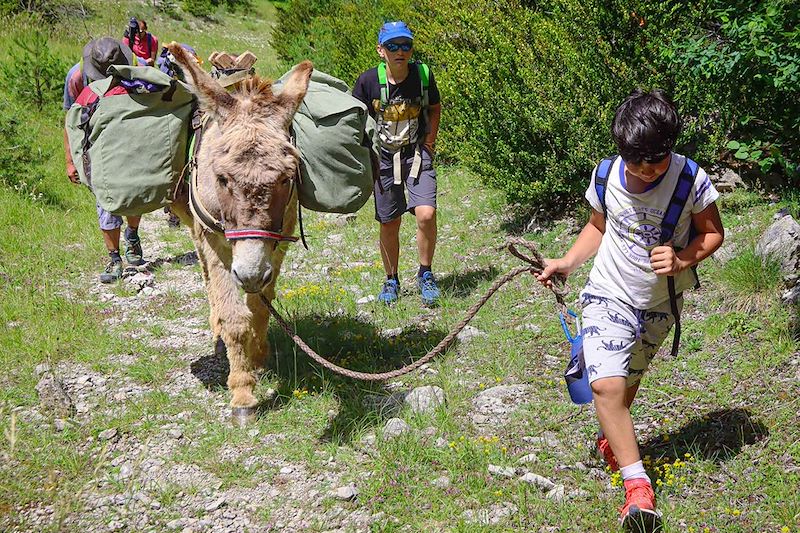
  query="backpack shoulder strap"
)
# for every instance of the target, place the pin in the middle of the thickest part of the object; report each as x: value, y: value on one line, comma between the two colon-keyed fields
x: 601, y: 180
x: 383, y: 82
x: 679, y: 196
x: 424, y: 80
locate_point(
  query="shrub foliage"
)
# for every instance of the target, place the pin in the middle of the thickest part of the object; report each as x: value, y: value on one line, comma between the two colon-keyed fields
x: 529, y: 88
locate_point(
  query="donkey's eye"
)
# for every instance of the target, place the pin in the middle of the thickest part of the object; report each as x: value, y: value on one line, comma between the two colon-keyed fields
x: 222, y: 180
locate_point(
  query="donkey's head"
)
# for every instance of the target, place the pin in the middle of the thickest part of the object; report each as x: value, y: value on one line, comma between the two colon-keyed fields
x: 252, y: 160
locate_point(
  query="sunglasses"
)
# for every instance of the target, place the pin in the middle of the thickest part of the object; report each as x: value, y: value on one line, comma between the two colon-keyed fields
x: 652, y: 160
x: 394, y: 47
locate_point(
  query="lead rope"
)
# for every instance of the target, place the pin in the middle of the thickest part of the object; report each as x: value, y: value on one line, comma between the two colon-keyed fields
x: 535, y: 265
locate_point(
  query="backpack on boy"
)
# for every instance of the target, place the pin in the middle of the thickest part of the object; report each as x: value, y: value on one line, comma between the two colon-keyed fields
x: 424, y: 80
x: 673, y: 212
x: 129, y: 142
x: 336, y: 138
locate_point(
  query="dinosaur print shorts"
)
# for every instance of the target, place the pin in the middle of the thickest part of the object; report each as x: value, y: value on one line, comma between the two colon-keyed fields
x: 620, y: 340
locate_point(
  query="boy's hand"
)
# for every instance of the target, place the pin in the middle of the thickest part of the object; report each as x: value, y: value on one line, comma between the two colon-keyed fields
x: 665, y: 261
x: 553, y: 267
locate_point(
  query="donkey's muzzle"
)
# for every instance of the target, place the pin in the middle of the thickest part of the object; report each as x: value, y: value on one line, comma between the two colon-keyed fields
x: 252, y: 283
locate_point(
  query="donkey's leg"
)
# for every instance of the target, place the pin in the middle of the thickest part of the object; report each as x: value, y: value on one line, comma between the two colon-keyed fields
x: 237, y: 331
x: 259, y: 347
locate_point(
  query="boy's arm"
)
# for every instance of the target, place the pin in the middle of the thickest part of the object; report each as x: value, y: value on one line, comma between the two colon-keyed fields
x: 710, y: 234
x: 585, y: 246
x: 434, y: 115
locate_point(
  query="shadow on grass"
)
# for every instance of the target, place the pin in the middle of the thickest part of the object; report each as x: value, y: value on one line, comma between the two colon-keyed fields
x: 345, y: 341
x: 461, y: 284
x: 716, y: 436
x: 185, y: 259
x: 353, y: 344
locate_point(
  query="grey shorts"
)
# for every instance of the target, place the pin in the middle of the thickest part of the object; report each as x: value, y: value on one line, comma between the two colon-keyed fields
x: 620, y: 340
x: 391, y: 202
x: 107, y: 220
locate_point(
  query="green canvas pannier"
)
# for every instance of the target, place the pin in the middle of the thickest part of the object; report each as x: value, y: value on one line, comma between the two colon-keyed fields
x: 335, y: 136
x: 130, y: 148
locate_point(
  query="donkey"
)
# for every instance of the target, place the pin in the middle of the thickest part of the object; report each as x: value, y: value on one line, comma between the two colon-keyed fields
x: 246, y: 183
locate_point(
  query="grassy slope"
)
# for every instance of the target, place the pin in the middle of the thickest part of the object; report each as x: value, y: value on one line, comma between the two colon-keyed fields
x: 725, y: 401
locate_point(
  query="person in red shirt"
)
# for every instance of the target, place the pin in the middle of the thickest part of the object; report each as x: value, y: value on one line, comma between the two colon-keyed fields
x: 145, y: 44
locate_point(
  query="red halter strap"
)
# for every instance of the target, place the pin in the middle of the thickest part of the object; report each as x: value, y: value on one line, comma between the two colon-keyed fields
x: 237, y: 234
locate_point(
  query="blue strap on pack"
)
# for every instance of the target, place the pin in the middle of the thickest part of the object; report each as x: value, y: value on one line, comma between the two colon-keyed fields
x: 576, y: 376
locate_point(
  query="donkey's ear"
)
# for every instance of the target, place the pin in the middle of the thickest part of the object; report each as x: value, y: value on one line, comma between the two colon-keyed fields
x: 213, y: 98
x: 294, y: 90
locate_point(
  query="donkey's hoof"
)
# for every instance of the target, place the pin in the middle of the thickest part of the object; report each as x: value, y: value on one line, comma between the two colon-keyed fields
x: 243, y: 416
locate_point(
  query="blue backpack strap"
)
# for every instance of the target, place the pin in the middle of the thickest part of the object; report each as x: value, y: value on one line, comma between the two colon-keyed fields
x: 679, y: 197
x: 601, y: 180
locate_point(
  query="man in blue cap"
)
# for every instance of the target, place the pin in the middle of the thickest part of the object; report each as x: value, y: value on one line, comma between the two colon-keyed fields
x: 403, y: 98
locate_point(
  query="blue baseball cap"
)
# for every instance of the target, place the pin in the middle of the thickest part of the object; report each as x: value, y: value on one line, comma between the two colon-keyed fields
x: 393, y: 30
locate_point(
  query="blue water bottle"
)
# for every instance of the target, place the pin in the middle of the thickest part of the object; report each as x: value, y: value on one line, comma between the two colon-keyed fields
x: 577, y: 378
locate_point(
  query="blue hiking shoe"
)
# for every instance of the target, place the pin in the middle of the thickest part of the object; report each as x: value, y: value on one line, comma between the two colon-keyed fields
x: 390, y: 292
x: 428, y: 289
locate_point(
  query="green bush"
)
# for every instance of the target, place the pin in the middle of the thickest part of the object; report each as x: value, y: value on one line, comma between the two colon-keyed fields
x: 31, y: 72
x: 746, y: 57
x: 206, y: 8
x: 19, y: 167
x: 529, y: 89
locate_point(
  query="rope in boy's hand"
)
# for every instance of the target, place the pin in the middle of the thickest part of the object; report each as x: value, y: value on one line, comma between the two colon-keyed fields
x: 537, y: 263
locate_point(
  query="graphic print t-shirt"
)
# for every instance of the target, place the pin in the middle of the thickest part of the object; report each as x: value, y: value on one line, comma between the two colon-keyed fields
x: 402, y: 122
x: 633, y: 228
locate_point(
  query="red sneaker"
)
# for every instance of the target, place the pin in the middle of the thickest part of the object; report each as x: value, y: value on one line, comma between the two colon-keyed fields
x: 605, y: 452
x: 639, y: 512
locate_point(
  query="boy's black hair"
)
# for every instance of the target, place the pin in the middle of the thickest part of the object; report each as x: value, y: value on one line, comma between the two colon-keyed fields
x: 646, y: 126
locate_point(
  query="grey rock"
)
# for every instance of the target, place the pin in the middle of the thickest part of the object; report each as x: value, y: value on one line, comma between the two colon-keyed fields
x: 394, y: 428
x: 726, y: 252
x: 441, y: 442
x: 469, y: 333
x: 425, y: 400
x: 175, y: 524
x: 529, y: 459
x: 347, y: 493
x: 791, y: 296
x: 365, y: 300
x: 334, y: 239
x: 556, y: 494
x: 216, y: 504
x: 533, y: 328
x: 175, y: 433
x: 392, y: 332
x: 725, y: 179
x: 386, y: 405
x: 125, y: 471
x: 41, y: 368
x: 537, y: 481
x: 108, y: 434
x: 491, y: 516
x: 155, y: 504
x: 441, y: 482
x: 493, y: 406
x: 286, y: 470
x: 53, y: 395
x: 60, y: 424
x: 548, y: 440
x: 781, y: 242
x: 502, y: 471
